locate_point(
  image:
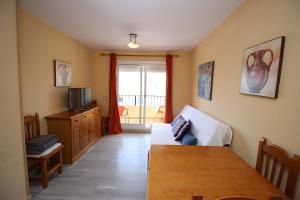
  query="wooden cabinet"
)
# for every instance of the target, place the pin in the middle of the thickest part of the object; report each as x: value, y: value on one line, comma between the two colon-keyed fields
x: 77, y: 131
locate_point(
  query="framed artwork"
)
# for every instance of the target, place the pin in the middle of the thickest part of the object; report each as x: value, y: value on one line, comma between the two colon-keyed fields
x: 262, y: 67
x: 63, y: 73
x: 205, y: 79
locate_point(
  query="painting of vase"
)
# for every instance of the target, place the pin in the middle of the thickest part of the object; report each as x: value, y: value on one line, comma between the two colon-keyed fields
x: 205, y: 80
x: 63, y: 75
x: 261, y: 68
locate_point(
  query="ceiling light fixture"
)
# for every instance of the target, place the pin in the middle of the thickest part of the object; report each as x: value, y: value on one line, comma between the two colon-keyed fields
x: 132, y: 41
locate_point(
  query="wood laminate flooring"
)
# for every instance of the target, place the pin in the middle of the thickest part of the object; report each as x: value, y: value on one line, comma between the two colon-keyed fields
x: 115, y: 168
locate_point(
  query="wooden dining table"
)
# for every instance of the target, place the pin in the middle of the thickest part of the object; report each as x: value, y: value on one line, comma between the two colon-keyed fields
x: 178, y: 172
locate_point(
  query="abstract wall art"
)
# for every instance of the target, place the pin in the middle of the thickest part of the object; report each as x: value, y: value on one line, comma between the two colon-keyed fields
x: 205, y: 80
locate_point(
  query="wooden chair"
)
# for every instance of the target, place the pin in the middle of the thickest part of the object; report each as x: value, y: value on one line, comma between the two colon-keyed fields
x: 199, y: 197
x: 160, y: 112
x: 281, y: 162
x: 247, y: 198
x: 196, y: 197
x: 32, y: 129
x: 236, y: 198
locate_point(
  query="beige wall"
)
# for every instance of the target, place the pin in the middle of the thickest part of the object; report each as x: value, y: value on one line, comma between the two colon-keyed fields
x: 40, y: 45
x: 12, y: 162
x: 252, y: 117
x: 181, y: 76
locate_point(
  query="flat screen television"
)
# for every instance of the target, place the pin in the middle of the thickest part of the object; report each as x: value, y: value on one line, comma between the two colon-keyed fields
x: 79, y: 98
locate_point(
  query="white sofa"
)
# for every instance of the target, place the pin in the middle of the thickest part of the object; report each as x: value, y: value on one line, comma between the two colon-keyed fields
x: 209, y: 131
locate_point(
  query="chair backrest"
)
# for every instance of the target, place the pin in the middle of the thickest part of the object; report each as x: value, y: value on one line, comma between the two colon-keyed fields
x: 274, y: 158
x: 161, y: 109
x: 199, y: 197
x: 236, y: 198
x: 123, y: 110
x: 32, y: 126
x: 247, y: 198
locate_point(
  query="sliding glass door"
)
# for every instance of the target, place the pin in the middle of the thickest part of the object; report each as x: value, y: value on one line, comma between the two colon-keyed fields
x: 131, y: 90
x: 141, y: 90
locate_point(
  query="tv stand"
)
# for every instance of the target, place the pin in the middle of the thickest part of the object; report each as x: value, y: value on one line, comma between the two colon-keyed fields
x: 77, y: 130
x: 79, y: 109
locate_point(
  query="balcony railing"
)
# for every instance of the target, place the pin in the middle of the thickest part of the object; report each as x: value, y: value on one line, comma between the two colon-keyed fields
x: 134, y: 100
x: 132, y: 113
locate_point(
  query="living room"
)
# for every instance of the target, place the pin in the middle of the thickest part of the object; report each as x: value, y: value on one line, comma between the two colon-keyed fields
x: 36, y: 33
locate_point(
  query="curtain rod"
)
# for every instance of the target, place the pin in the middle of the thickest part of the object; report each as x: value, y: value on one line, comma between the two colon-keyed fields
x: 106, y: 54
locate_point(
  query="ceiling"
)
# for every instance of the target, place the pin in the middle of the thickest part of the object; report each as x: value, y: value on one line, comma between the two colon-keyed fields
x: 161, y: 25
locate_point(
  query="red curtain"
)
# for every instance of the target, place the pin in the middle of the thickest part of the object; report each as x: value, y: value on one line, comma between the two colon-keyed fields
x: 114, y: 124
x: 169, y: 104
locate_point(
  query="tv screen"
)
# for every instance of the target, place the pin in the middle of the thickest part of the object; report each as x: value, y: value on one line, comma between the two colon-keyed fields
x: 79, y: 98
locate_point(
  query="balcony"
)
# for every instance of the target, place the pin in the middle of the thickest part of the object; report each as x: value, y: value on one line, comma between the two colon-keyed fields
x: 141, y: 110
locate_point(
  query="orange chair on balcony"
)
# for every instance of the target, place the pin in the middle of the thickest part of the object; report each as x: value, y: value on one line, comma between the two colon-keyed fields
x: 123, y: 112
x: 160, y: 113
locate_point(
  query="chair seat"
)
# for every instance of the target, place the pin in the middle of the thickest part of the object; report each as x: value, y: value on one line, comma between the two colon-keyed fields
x: 46, y: 152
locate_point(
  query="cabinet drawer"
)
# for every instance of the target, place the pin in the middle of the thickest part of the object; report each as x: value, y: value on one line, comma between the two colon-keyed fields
x: 88, y: 114
x: 76, y: 121
x: 98, y: 110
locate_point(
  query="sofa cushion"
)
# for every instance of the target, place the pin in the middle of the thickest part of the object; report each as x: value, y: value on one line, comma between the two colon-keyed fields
x: 189, y: 139
x: 162, y: 134
x: 186, y: 127
x: 180, y: 122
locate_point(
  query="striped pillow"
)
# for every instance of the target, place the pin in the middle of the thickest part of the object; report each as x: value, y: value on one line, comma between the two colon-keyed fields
x: 175, y: 120
x: 186, y: 127
x: 180, y: 121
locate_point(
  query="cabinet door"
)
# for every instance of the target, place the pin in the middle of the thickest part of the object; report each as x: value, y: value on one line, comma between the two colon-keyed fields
x: 76, y: 140
x: 85, y: 128
x: 91, y: 128
x: 82, y: 145
x: 98, y: 124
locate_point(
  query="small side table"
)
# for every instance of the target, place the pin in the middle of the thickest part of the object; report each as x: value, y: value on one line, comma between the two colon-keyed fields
x: 104, y: 121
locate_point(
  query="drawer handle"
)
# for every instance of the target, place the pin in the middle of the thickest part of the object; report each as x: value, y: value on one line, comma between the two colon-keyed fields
x: 76, y: 120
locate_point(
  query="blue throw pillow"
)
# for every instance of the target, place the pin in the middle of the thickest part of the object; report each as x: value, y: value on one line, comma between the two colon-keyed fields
x: 189, y: 139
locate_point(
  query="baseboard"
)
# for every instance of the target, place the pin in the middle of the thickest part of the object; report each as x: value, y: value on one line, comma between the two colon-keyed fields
x: 136, y: 130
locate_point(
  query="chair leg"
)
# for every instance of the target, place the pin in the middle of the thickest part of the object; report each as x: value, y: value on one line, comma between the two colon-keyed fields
x: 60, y: 170
x: 148, y: 167
x: 43, y: 164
